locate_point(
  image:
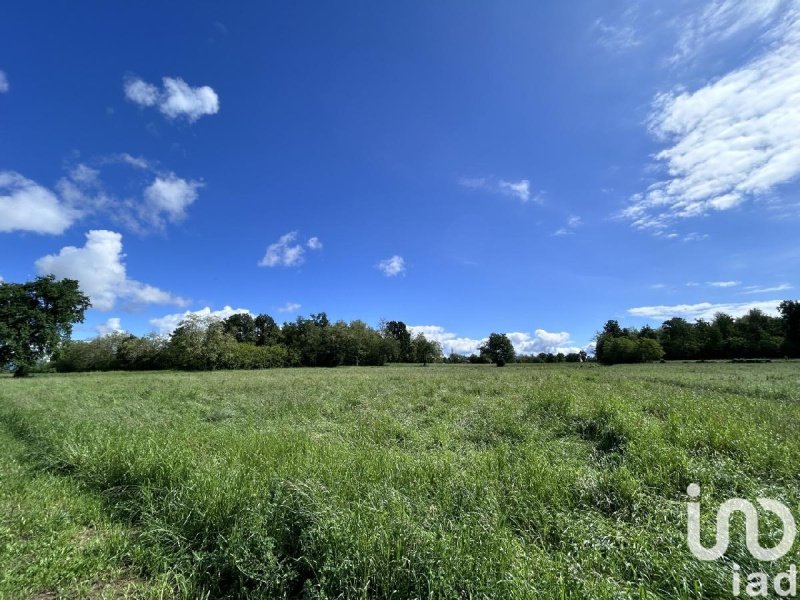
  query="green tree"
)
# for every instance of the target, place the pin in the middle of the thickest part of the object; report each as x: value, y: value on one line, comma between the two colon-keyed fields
x: 426, y: 350
x: 35, y: 317
x: 241, y: 326
x: 267, y: 331
x: 678, y: 339
x: 498, y: 349
x: 399, y: 336
x: 790, y: 313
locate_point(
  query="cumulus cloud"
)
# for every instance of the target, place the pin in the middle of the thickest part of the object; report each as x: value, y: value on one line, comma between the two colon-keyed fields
x: 168, y: 197
x: 287, y: 252
x: 521, y: 190
x: 289, y: 307
x: 703, y: 310
x: 99, y: 268
x: 176, y: 98
x: 162, y: 196
x: 392, y: 266
x: 734, y: 139
x: 4, y: 87
x: 524, y: 343
x: 112, y: 325
x: 27, y: 206
x: 167, y: 324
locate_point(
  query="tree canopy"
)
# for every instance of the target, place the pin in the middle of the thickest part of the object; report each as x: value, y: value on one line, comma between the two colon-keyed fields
x: 35, y: 317
x: 498, y: 349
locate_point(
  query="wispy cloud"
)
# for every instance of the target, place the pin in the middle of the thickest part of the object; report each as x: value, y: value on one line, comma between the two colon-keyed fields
x: 569, y: 228
x: 289, y: 307
x: 161, y: 196
x: 617, y: 37
x: 521, y: 189
x: 703, y: 310
x: 4, y: 87
x: 723, y: 284
x: 732, y: 140
x: 755, y: 289
x: 721, y: 20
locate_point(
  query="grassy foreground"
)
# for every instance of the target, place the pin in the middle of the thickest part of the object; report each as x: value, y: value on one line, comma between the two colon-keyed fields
x: 535, y: 481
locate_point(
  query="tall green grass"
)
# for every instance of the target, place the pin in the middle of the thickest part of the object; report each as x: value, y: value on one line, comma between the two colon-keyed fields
x: 403, y: 482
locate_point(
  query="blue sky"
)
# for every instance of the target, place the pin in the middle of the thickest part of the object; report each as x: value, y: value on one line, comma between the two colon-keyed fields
x: 526, y: 167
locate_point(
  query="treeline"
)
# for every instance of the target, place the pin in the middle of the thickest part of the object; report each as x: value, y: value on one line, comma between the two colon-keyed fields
x: 245, y: 342
x: 751, y: 336
x: 484, y: 358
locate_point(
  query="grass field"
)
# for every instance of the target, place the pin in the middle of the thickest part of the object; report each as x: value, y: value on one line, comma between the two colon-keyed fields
x: 535, y: 481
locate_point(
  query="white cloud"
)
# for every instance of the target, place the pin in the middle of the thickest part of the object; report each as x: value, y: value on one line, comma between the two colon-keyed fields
x: 289, y: 307
x: 524, y: 343
x: 721, y: 20
x: 284, y: 253
x: 393, y: 266
x: 169, y: 196
x: 99, y: 269
x: 134, y: 161
x: 755, y: 289
x: 735, y: 139
x: 4, y: 87
x: 175, y: 99
x: 141, y: 92
x: 112, y: 325
x: 723, y: 284
x: 616, y: 37
x: 167, y: 324
x: 521, y: 190
x: 543, y: 341
x: 314, y: 243
x: 27, y: 206
x: 703, y: 310
x: 164, y: 199
x: 572, y: 224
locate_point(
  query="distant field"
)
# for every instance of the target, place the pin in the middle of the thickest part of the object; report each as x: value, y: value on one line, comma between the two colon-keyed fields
x: 531, y: 481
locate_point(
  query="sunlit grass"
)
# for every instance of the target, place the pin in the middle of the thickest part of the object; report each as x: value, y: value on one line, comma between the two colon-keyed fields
x: 535, y: 481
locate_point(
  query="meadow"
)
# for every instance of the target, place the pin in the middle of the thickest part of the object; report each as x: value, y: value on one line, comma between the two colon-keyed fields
x: 451, y: 481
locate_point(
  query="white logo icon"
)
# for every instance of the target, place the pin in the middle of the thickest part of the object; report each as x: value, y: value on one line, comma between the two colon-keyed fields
x: 751, y: 527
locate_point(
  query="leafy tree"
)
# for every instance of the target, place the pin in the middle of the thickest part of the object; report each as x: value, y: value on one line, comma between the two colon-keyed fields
x: 498, y: 349
x: 426, y: 350
x: 790, y: 313
x: 267, y: 331
x: 678, y: 339
x: 242, y: 327
x: 400, y: 349
x: 35, y: 317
